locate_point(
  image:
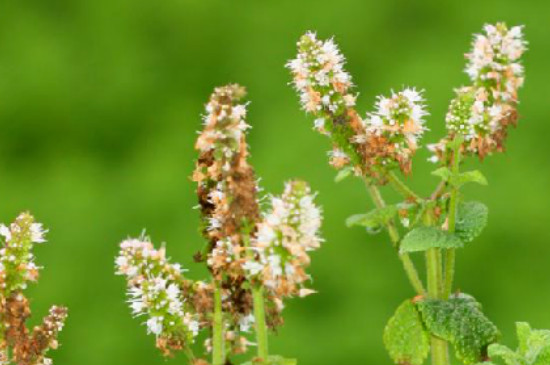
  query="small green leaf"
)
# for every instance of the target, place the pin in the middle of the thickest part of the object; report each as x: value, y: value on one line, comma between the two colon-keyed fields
x: 405, y: 337
x: 343, y: 174
x: 373, y: 219
x: 443, y: 172
x: 423, y: 238
x: 471, y: 220
x: 461, y: 322
x: 469, y: 176
x: 533, y: 349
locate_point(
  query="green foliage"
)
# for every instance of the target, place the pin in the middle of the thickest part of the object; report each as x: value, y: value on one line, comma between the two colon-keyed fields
x: 461, y: 322
x: 405, y: 337
x: 423, y: 238
x: 460, y: 179
x: 471, y: 220
x: 374, y: 219
x: 533, y: 349
x: 474, y: 176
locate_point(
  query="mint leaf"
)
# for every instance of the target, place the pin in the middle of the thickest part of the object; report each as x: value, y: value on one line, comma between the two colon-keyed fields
x: 469, y: 176
x: 461, y: 322
x: 443, y: 172
x: 405, y: 337
x: 423, y: 238
x: 471, y: 220
x: 533, y: 349
x: 373, y: 219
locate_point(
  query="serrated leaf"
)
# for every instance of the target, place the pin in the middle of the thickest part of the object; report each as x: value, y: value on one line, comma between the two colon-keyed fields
x: 471, y: 220
x: 423, y: 238
x: 405, y: 337
x: 343, y: 174
x: 461, y: 322
x: 533, y: 349
x: 373, y: 219
x: 469, y: 176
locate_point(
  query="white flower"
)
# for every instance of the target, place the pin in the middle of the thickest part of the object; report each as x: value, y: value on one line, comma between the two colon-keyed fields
x: 5, y: 231
x: 154, y: 325
x: 37, y: 233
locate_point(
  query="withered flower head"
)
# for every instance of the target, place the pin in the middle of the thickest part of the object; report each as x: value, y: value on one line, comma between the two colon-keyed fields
x: 17, y: 268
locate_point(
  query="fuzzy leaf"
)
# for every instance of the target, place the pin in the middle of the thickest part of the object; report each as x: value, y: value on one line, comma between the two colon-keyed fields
x: 443, y: 172
x: 405, y: 337
x: 533, y: 349
x: 373, y: 219
x: 343, y: 174
x: 461, y: 322
x: 471, y: 219
x: 469, y: 176
x: 423, y: 238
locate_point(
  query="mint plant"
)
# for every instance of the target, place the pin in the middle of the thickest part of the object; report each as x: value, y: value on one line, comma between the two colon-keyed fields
x: 379, y: 146
x: 18, y: 344
x: 256, y: 257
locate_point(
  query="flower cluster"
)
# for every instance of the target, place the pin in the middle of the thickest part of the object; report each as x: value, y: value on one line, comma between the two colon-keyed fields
x: 17, y: 268
x: 287, y: 233
x: 226, y: 183
x: 324, y: 87
x: 482, y: 112
x: 156, y: 290
x: 394, y: 128
x: 386, y: 139
x: 17, y: 265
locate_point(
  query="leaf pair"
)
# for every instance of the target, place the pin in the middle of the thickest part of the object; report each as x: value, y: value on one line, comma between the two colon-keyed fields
x: 458, y: 320
x: 457, y: 180
x: 471, y: 219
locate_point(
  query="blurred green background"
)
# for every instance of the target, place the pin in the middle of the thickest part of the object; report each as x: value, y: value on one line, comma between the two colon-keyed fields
x: 100, y: 102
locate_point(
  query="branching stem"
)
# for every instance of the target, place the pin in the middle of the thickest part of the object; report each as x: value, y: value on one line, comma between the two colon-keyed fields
x: 408, y: 264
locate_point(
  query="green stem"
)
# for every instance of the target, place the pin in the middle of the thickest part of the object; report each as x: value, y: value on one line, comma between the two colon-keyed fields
x: 259, y: 322
x: 408, y: 264
x: 450, y: 255
x: 401, y: 187
x: 218, y: 351
x: 189, y: 353
x: 440, y: 352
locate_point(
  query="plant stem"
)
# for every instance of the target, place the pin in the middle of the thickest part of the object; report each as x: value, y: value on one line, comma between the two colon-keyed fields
x: 259, y: 320
x: 189, y: 353
x: 408, y: 264
x: 218, y: 351
x: 401, y: 187
x: 450, y: 255
x: 440, y: 353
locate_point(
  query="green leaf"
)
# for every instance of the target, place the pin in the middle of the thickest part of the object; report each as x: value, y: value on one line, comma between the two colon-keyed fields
x: 423, y: 238
x: 469, y: 176
x: 471, y: 220
x: 461, y: 322
x: 405, y: 337
x: 533, y: 349
x: 343, y: 174
x: 443, y: 172
x: 373, y: 219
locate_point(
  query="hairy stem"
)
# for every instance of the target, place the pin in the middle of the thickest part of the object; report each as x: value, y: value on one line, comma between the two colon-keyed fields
x: 259, y: 322
x: 401, y: 187
x: 408, y: 264
x: 450, y: 255
x: 440, y: 352
x: 218, y: 351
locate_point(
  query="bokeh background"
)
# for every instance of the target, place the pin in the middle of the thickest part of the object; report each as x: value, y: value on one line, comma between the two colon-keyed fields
x: 100, y: 102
